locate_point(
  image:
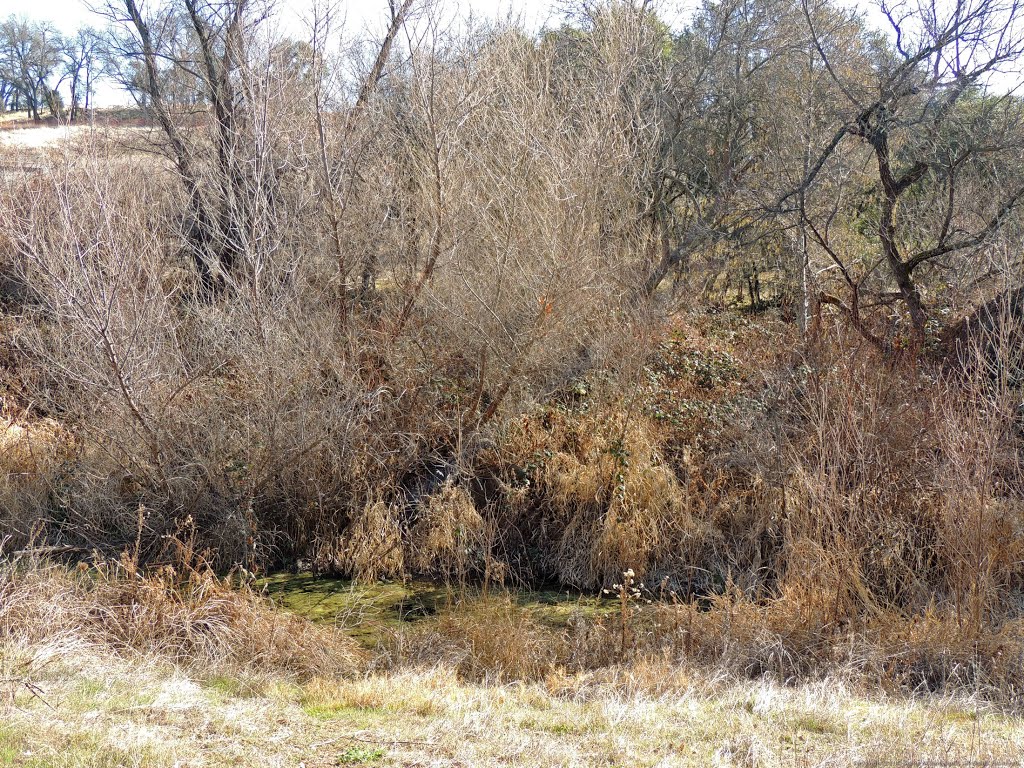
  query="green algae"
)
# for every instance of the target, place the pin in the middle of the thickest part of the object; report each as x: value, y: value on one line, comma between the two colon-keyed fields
x: 366, y: 610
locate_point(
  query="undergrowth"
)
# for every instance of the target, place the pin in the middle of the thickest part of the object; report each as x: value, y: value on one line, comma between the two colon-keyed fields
x: 185, y: 615
x: 791, y: 515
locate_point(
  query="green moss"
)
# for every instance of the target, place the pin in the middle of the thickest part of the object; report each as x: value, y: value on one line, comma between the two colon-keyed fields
x: 368, y: 611
x: 364, y: 610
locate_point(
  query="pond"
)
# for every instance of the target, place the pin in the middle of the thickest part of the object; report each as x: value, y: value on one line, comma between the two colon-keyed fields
x: 366, y: 609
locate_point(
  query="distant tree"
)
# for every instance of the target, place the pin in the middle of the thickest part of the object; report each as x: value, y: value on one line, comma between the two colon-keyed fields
x: 83, y: 59
x: 294, y: 61
x: 30, y: 56
x: 8, y: 94
x: 726, y: 114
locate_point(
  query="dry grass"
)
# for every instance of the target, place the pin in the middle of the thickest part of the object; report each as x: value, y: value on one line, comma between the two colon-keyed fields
x: 129, y: 671
x: 192, y: 619
x: 804, y: 523
x: 646, y: 715
x: 821, y: 478
x: 416, y: 359
x: 496, y: 640
x: 489, y: 641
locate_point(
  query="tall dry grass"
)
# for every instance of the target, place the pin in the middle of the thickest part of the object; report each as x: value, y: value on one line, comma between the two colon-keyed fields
x: 188, y: 617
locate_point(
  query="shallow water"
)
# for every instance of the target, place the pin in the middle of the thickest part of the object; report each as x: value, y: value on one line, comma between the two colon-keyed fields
x: 366, y: 610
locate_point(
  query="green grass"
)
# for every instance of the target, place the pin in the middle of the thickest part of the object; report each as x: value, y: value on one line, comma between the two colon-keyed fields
x: 12, y: 745
x: 360, y: 755
x: 815, y: 723
x: 231, y: 687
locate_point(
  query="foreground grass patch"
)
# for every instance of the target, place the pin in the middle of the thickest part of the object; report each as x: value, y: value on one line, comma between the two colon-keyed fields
x: 633, y: 717
x: 45, y: 748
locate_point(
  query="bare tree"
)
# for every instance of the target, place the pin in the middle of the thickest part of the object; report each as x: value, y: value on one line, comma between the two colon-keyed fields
x: 725, y: 89
x: 29, y: 57
x: 83, y: 57
x: 939, y: 138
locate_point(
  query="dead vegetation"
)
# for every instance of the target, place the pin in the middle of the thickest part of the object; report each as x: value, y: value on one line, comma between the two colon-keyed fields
x: 192, y: 619
x: 107, y: 666
x: 420, y: 322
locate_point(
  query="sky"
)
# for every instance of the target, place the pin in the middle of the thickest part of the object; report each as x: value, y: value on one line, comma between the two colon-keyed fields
x: 362, y: 17
x: 69, y: 14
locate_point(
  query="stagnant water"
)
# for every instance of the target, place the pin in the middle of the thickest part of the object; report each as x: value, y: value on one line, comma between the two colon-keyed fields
x: 365, y: 610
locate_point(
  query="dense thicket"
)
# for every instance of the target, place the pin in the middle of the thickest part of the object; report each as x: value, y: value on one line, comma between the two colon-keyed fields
x: 734, y: 306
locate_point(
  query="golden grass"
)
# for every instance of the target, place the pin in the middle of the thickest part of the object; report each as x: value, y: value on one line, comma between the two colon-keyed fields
x: 482, y: 684
x: 193, y: 619
x: 150, y: 714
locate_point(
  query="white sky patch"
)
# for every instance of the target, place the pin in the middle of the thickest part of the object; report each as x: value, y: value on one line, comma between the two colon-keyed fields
x: 367, y: 19
x: 362, y: 18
